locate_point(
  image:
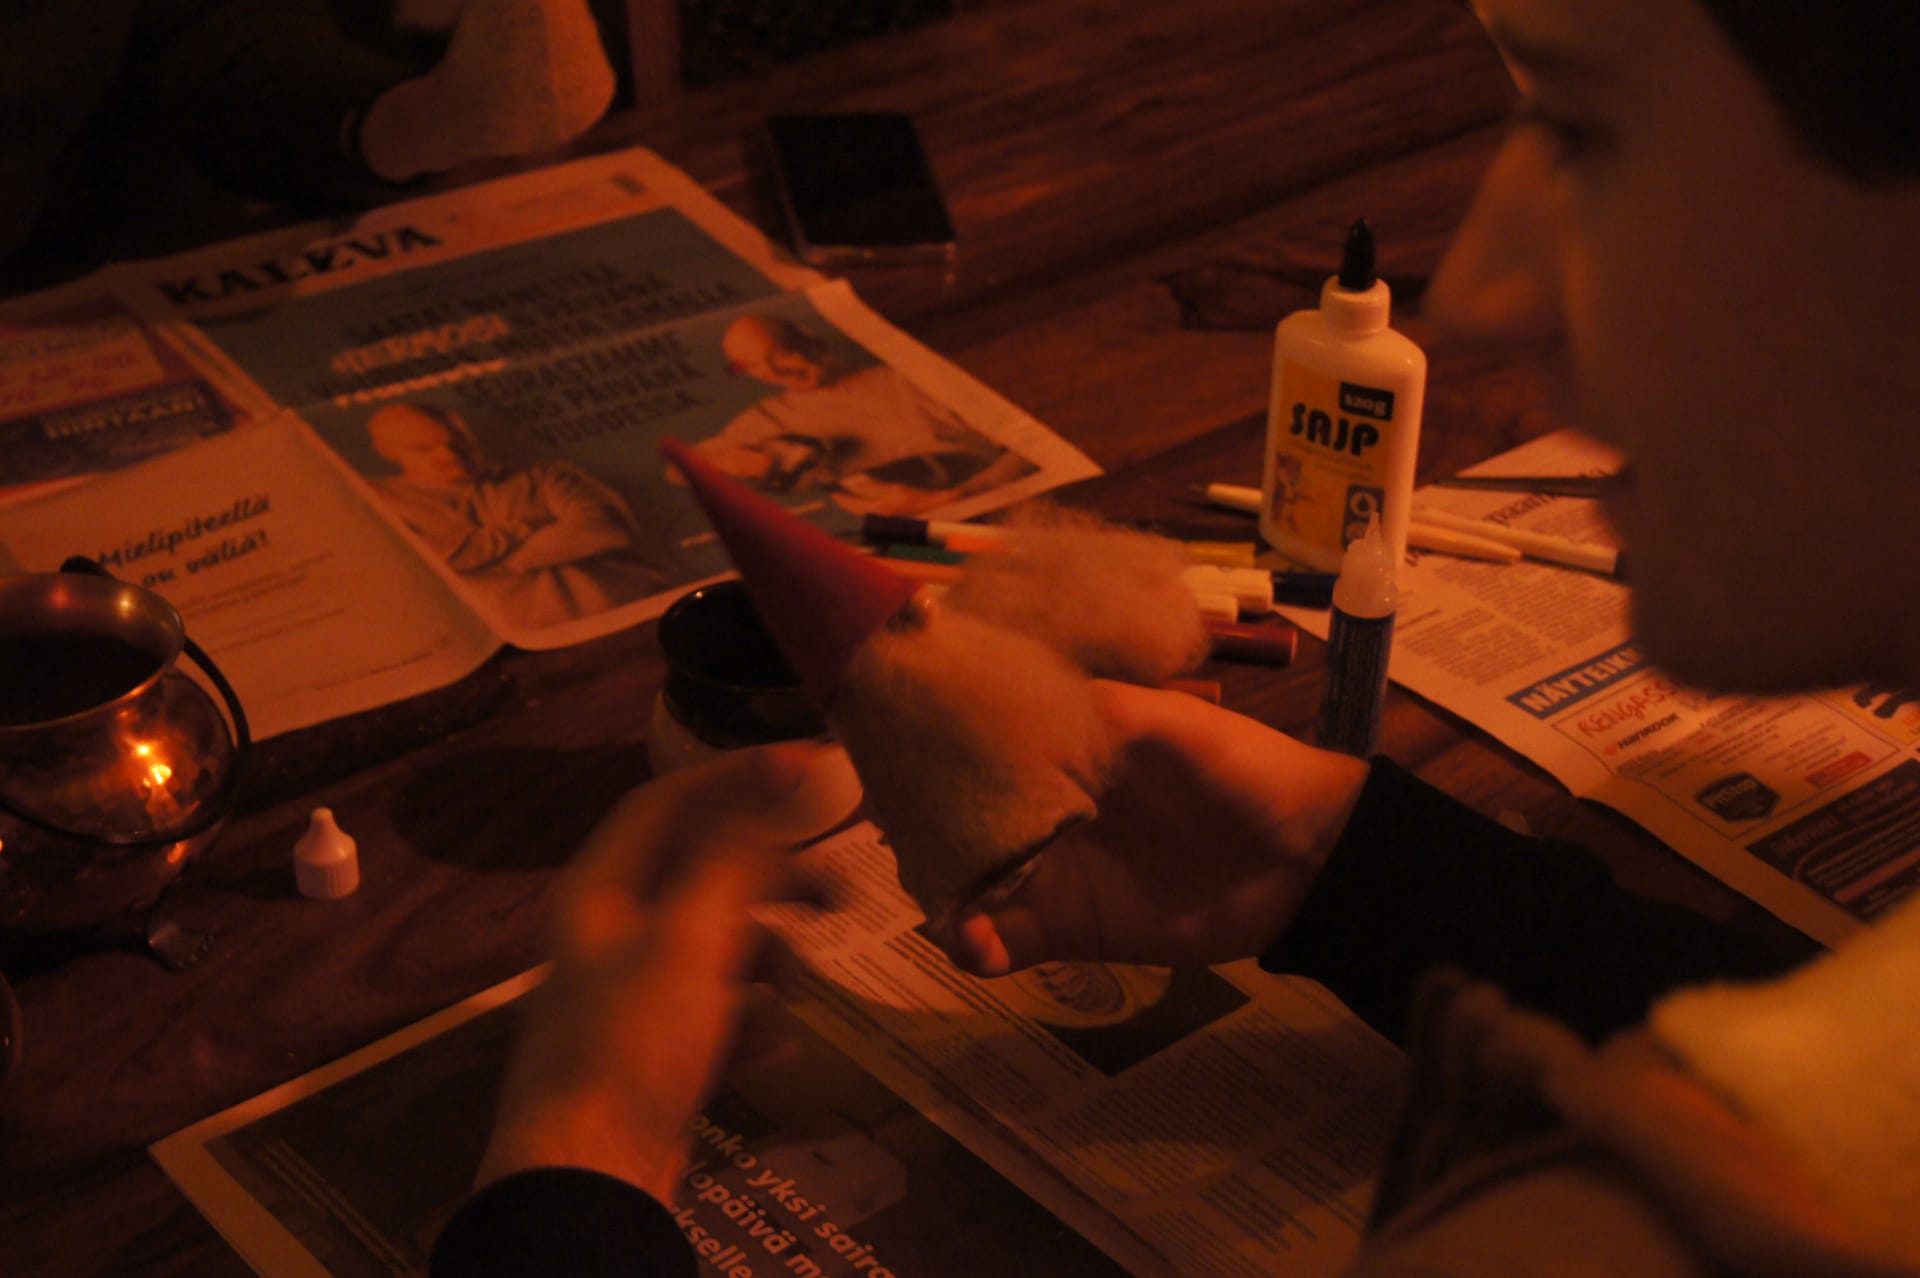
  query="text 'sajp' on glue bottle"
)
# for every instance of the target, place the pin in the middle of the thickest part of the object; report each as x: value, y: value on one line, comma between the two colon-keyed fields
x: 1343, y: 424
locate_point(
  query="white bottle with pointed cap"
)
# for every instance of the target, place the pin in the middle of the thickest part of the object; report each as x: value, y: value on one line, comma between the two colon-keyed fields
x: 326, y: 860
x: 1343, y: 424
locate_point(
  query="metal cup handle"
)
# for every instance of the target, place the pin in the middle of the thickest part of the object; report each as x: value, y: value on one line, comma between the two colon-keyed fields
x: 218, y: 804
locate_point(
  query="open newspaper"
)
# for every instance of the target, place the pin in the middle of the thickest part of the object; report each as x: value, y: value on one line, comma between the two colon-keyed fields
x: 361, y: 457
x: 1076, y: 1119
x: 1808, y: 804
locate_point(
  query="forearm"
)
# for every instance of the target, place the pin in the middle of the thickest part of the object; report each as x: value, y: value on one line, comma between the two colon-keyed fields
x: 1417, y: 880
x: 567, y: 1220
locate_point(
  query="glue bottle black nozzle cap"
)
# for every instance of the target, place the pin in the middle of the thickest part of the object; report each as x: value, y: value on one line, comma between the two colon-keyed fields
x: 1356, y: 263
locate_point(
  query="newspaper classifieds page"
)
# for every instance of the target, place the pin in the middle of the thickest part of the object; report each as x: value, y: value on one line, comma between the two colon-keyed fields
x: 1226, y: 1121
x: 498, y: 367
x: 1808, y: 804
x: 902, y: 1118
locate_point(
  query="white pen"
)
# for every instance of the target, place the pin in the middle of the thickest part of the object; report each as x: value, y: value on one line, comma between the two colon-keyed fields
x: 1420, y: 536
x: 1234, y: 497
x: 1451, y: 541
x: 1534, y: 545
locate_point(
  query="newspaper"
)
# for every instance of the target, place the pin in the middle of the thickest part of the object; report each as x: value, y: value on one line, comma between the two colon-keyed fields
x: 1071, y: 1119
x: 360, y: 458
x: 1808, y: 804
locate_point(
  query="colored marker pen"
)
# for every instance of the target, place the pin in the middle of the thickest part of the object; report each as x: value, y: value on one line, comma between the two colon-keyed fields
x: 1304, y: 589
x: 1267, y: 643
x: 1359, y: 639
x: 906, y: 530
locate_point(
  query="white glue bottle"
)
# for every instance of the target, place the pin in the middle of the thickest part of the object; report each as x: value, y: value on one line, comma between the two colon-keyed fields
x: 1343, y: 424
x: 1359, y: 641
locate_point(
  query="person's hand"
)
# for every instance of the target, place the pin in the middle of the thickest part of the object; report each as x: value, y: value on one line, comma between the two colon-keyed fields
x: 1208, y: 837
x: 653, y: 953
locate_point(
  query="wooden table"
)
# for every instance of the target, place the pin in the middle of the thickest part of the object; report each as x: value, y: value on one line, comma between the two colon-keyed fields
x: 1141, y: 190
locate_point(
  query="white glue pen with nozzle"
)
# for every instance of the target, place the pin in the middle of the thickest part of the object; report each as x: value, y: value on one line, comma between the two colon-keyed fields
x: 1359, y: 640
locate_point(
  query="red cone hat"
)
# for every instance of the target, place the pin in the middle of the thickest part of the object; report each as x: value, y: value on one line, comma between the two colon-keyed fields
x: 819, y: 598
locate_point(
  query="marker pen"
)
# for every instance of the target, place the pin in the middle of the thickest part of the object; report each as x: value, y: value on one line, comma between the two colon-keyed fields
x: 1234, y: 497
x: 1273, y: 642
x: 1534, y: 545
x: 1304, y: 589
x: 924, y: 553
x: 1451, y: 541
x: 906, y: 530
x: 1251, y: 589
x: 1359, y: 639
x: 1222, y: 554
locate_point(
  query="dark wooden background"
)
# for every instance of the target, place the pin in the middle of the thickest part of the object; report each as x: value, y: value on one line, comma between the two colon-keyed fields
x: 1142, y: 190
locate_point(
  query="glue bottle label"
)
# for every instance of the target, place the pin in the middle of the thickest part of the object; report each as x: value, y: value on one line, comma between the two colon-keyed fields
x: 1329, y: 440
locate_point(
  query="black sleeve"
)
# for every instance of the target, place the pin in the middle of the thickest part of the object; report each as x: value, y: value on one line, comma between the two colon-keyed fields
x: 265, y: 93
x: 562, y: 1221
x: 1419, y: 880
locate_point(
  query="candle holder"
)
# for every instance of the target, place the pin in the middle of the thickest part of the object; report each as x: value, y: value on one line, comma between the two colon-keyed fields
x: 116, y: 766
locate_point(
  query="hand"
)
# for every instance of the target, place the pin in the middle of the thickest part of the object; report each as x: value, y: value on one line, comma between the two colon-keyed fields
x: 1740, y: 1193
x: 1208, y: 838
x: 653, y: 952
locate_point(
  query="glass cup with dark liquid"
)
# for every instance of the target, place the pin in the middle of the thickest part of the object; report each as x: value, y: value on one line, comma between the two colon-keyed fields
x: 116, y: 765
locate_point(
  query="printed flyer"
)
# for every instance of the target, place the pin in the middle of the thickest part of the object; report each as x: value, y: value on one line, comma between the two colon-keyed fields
x: 1808, y: 804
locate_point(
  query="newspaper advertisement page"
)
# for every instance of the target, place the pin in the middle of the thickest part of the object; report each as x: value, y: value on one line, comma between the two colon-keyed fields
x: 1808, y: 804
x: 87, y: 388
x: 1227, y: 1120
x: 311, y: 607
x: 911, y: 1120
x: 487, y: 373
x: 505, y: 403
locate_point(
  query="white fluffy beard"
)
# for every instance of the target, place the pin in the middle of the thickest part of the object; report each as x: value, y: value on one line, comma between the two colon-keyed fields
x: 977, y: 745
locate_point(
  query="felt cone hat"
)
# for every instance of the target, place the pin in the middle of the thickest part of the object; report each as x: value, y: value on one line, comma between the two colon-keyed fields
x: 820, y: 599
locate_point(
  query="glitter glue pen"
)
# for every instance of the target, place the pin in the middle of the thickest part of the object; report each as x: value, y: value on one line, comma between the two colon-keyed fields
x: 1359, y: 638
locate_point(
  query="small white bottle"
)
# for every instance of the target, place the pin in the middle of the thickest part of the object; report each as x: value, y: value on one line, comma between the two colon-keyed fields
x: 326, y: 859
x: 1343, y: 424
x: 1359, y: 641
